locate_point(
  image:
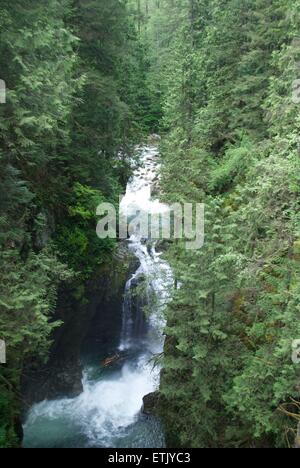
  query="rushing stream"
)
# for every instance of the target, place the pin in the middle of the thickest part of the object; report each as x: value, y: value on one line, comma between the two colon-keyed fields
x: 108, y: 412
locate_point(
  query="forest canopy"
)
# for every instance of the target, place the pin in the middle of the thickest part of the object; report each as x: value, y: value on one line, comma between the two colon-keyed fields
x: 226, y: 71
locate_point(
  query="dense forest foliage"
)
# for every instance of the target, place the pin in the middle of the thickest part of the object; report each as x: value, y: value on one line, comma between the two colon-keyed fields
x: 225, y: 71
x: 76, y: 102
x: 86, y: 79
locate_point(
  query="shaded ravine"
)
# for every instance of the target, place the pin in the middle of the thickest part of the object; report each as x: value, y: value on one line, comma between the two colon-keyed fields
x: 108, y: 412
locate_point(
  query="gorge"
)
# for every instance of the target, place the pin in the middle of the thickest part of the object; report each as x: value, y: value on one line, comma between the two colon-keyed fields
x: 108, y: 411
x: 206, y: 333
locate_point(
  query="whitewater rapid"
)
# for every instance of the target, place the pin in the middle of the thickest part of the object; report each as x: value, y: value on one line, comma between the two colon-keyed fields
x: 108, y: 412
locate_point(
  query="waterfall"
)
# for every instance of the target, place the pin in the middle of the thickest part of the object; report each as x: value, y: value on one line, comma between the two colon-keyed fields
x: 152, y: 269
x: 134, y: 325
x: 108, y: 412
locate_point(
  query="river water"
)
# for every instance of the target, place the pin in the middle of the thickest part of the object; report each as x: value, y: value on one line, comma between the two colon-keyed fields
x: 109, y: 411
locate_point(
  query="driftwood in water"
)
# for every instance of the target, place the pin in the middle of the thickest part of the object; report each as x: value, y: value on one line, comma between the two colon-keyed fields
x: 111, y: 360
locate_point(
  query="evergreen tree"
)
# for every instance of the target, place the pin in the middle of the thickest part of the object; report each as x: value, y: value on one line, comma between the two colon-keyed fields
x: 231, y: 127
x: 68, y: 125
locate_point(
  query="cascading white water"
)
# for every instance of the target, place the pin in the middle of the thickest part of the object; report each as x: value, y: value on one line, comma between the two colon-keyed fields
x: 108, y: 412
x: 157, y: 273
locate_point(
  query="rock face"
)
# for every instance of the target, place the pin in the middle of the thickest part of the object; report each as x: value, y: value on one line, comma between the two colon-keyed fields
x: 154, y: 138
x: 150, y: 402
x: 95, y: 316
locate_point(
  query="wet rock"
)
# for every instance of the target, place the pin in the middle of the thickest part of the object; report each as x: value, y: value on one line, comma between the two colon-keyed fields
x: 154, y: 138
x: 156, y: 190
x: 90, y: 312
x: 150, y: 403
x: 138, y: 280
x: 163, y: 245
